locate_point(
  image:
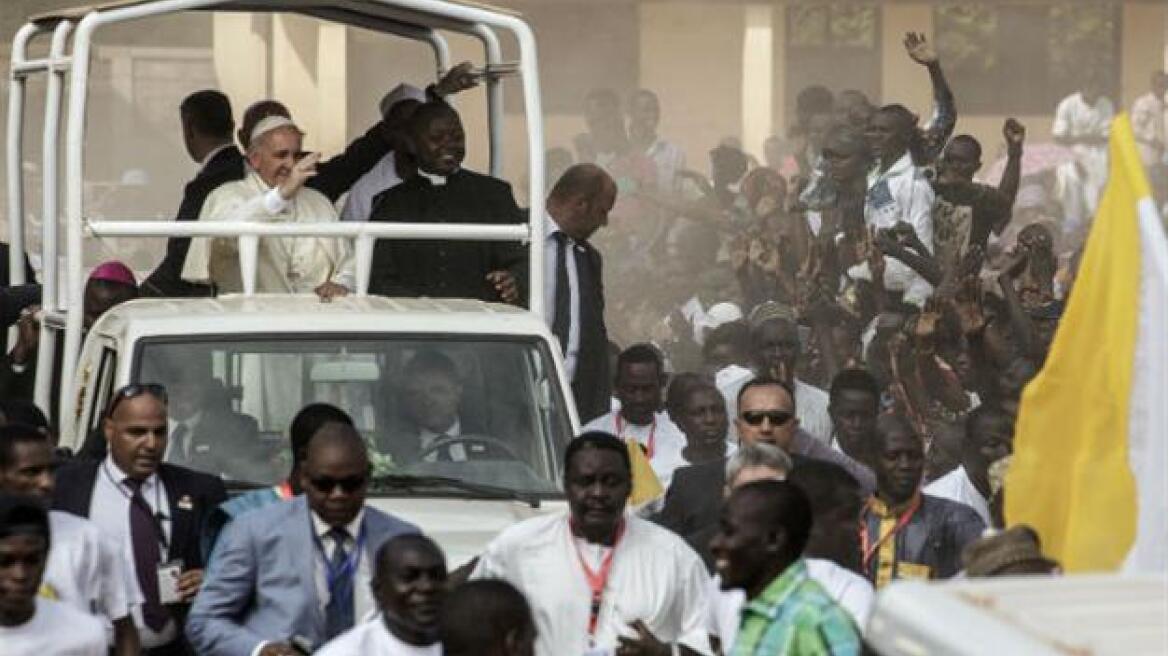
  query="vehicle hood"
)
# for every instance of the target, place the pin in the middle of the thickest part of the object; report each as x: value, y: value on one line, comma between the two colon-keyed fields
x: 462, y: 527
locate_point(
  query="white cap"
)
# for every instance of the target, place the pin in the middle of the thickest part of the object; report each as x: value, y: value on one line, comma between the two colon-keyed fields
x: 399, y: 93
x: 271, y: 123
x: 723, y: 313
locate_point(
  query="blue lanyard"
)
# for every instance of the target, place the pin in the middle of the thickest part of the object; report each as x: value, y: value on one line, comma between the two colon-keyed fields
x: 334, y: 575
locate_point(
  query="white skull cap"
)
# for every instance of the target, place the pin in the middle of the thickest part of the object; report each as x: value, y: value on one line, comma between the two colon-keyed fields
x: 399, y: 93
x: 272, y: 123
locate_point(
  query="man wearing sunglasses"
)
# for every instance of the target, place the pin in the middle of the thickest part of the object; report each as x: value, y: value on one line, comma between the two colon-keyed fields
x: 151, y: 509
x: 767, y: 413
x: 291, y: 577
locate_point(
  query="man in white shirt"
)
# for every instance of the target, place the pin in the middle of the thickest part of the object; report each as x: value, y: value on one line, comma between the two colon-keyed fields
x: 989, y: 437
x: 1147, y: 119
x: 639, y: 383
x: 30, y: 624
x: 577, y: 207
x: 85, y: 569
x: 409, y: 582
x: 597, y: 578
x: 152, y: 509
x: 897, y: 192
x: 1082, y: 122
x: 775, y: 347
x: 644, y: 114
x: 273, y: 191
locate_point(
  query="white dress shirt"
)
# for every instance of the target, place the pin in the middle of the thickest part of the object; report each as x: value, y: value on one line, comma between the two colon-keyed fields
x: 383, y: 175
x: 211, y: 155
x: 87, y: 571
x: 373, y: 637
x: 655, y: 577
x: 363, y: 602
x: 110, y: 511
x: 551, y: 250
x: 851, y: 591
x: 428, y: 437
x: 172, y: 444
x: 956, y: 486
x: 668, y: 440
x: 902, y: 193
x: 56, y: 629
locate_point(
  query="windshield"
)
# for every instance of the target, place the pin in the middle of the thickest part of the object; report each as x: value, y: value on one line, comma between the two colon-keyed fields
x: 481, y: 411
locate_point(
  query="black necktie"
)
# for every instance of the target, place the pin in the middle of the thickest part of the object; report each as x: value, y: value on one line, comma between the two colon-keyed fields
x: 144, y: 537
x: 562, y: 318
x: 339, y: 613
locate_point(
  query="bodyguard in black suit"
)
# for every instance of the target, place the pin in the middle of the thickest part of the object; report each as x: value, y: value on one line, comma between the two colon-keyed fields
x: 578, y: 206
x: 207, y: 126
x: 155, y: 509
x: 442, y: 192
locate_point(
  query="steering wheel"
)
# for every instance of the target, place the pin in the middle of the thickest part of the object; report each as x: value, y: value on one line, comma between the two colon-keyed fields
x: 467, y: 440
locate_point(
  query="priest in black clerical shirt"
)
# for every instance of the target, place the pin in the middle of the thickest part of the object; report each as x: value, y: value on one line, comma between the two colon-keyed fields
x: 443, y: 192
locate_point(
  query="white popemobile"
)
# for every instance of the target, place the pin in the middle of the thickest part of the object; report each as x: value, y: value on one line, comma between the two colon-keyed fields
x: 265, y: 356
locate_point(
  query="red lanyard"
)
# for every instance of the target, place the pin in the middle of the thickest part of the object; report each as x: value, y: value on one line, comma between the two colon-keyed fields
x: 597, y: 580
x: 284, y: 490
x: 870, y: 550
x: 620, y: 430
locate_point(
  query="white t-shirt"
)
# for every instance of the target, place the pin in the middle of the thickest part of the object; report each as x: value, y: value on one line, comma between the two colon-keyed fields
x: 56, y: 629
x: 373, y: 637
x: 667, y: 442
x: 956, y: 486
x: 851, y: 591
x: 86, y: 570
x: 655, y: 577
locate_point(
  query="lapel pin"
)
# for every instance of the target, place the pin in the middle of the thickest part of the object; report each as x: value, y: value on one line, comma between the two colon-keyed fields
x: 185, y: 503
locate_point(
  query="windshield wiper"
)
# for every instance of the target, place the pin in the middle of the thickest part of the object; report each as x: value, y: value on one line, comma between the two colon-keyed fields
x: 237, y: 484
x: 481, y: 490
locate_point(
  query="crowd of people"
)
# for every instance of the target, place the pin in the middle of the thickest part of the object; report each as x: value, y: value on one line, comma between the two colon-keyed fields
x: 798, y: 381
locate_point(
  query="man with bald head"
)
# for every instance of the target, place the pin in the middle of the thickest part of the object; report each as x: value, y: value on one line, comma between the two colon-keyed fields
x: 297, y: 575
x: 577, y: 207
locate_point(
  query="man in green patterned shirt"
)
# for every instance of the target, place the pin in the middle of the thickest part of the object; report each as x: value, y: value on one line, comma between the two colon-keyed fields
x: 763, y: 530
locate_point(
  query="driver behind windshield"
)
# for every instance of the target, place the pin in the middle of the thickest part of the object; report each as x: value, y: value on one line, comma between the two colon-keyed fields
x: 431, y: 426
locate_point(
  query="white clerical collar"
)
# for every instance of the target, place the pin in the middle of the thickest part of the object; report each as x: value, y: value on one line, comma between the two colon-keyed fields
x: 211, y: 155
x: 434, y: 178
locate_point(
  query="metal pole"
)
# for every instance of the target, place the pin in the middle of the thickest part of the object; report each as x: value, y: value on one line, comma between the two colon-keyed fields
x: 494, y: 98
x: 50, y: 142
x: 16, y: 155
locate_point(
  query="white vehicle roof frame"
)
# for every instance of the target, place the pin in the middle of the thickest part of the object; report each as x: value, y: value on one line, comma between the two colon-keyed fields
x: 384, y: 15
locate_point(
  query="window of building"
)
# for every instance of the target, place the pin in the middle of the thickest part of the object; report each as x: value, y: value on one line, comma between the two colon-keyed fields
x: 836, y: 45
x: 1024, y: 58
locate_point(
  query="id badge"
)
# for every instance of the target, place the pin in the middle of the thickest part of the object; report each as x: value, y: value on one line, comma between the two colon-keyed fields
x: 168, y: 574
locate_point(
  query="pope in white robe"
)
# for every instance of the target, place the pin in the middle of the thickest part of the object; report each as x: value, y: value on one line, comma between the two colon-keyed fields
x: 273, y: 192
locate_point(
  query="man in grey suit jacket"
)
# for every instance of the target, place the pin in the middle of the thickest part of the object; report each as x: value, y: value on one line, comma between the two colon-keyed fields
x: 298, y: 572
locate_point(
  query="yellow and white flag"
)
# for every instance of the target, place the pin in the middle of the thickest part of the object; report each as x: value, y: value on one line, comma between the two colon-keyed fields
x: 1090, y: 466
